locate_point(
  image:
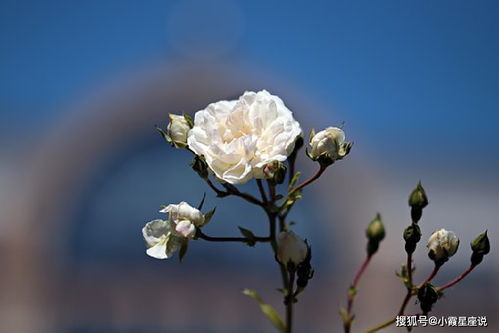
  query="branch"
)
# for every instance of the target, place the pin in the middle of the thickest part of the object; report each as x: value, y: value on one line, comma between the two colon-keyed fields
x: 202, y: 235
x: 456, y: 280
x: 308, y: 181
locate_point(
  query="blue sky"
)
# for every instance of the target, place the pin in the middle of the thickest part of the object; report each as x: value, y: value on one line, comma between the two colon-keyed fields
x: 410, y: 74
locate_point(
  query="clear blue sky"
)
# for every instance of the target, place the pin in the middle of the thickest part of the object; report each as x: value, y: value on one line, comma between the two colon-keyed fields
x: 426, y: 71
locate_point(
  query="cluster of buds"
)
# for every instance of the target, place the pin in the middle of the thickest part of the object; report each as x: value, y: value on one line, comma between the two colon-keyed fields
x: 412, y: 234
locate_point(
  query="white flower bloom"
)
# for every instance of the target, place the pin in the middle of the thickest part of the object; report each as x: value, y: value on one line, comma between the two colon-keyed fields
x: 291, y: 248
x: 160, y: 239
x: 238, y: 138
x: 184, y: 218
x: 442, y: 245
x: 177, y: 130
x: 330, y: 141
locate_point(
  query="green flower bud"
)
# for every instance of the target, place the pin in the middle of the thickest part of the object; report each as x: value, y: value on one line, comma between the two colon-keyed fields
x: 412, y: 235
x: 481, y: 244
x: 418, y: 197
x: 480, y: 247
x: 427, y: 296
x: 417, y: 200
x: 375, y: 230
x: 375, y: 233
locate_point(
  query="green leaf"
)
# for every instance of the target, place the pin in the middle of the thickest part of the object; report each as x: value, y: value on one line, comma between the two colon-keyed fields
x: 251, y: 241
x: 294, y: 180
x: 312, y: 134
x: 163, y: 134
x: 352, y: 291
x: 344, y: 316
x: 183, y: 250
x: 267, y: 310
x: 189, y: 121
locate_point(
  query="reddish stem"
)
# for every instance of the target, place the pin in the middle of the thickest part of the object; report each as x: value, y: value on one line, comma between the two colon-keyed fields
x: 456, y: 280
x: 308, y: 181
x: 431, y: 276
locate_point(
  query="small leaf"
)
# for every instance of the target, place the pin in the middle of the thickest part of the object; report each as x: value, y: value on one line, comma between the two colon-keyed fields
x: 352, y: 291
x: 294, y: 180
x: 312, y: 134
x: 267, y: 310
x: 344, y: 315
x: 283, y: 291
x: 183, y: 250
x: 251, y: 241
x: 189, y: 121
x: 200, y: 206
x: 163, y: 134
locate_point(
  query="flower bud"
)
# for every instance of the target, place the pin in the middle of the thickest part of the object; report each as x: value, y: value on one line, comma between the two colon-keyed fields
x: 328, y: 146
x: 480, y: 247
x: 442, y: 245
x: 177, y: 130
x: 184, y: 219
x: 375, y: 233
x: 417, y: 200
x: 412, y: 235
x: 375, y: 230
x: 427, y: 296
x: 291, y: 250
x: 275, y: 172
x: 305, y: 271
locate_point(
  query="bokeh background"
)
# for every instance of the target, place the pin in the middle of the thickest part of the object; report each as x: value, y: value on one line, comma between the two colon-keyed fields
x: 82, y: 169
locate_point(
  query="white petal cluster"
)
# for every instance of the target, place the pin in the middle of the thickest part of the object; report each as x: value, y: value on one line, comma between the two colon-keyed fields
x: 442, y: 245
x: 291, y: 248
x: 164, y: 238
x: 161, y: 240
x: 238, y: 138
x: 330, y: 141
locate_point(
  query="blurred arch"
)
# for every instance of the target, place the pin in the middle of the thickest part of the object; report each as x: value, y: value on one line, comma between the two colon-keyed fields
x: 118, y: 115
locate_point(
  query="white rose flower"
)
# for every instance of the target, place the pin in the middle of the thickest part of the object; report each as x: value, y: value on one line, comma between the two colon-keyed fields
x: 184, y: 218
x: 329, y: 142
x: 291, y: 248
x: 177, y: 130
x: 161, y: 239
x: 442, y: 245
x: 238, y: 138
